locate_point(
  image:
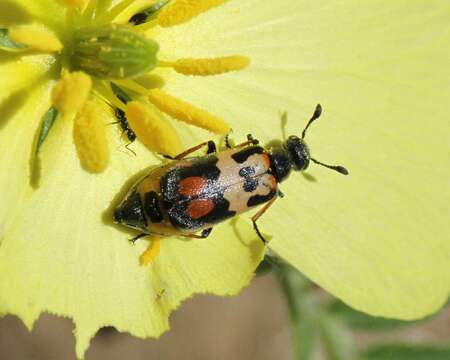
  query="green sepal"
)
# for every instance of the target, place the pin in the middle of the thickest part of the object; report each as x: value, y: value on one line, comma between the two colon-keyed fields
x: 120, y: 93
x: 47, y: 122
x: 7, y: 44
x: 113, y: 52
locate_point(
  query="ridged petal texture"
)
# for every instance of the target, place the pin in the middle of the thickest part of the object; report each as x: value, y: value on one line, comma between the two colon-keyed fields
x: 378, y: 239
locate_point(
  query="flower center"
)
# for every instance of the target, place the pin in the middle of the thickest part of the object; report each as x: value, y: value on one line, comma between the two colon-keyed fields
x: 113, y: 52
x: 104, y: 58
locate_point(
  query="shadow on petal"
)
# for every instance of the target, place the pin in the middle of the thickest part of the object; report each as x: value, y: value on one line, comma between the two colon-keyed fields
x: 12, y: 13
x: 15, y: 101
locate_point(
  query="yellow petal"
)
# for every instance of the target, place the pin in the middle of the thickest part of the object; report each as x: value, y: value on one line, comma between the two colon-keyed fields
x: 74, y: 261
x: 14, y: 12
x: 94, y: 269
x: 348, y: 234
x: 379, y: 238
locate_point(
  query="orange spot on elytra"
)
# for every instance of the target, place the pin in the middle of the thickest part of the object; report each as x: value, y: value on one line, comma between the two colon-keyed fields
x: 266, y: 160
x: 273, y: 181
x: 199, y: 207
x: 191, y: 186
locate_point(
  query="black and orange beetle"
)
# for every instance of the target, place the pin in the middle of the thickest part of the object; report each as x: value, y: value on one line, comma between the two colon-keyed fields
x: 188, y: 196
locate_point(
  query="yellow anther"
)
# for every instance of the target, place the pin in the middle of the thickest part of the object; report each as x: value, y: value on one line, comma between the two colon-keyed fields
x: 89, y: 135
x: 79, y: 4
x: 71, y: 92
x: 151, y: 252
x: 215, y: 66
x: 181, y: 11
x: 188, y: 113
x: 152, y: 129
x: 35, y: 37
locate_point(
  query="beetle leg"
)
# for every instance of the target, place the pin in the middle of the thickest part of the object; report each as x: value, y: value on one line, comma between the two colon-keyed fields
x: 205, y: 233
x: 250, y: 141
x: 137, y: 237
x: 258, y: 215
x: 128, y: 148
x: 227, y: 141
x: 211, y: 149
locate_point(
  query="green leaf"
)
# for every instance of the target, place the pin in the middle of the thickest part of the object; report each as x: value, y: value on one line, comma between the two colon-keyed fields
x: 7, y: 44
x: 407, y: 352
x: 360, y: 321
x: 337, y: 338
x: 303, y: 307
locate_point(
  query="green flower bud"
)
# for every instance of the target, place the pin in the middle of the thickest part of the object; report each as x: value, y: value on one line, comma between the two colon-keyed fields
x: 113, y: 52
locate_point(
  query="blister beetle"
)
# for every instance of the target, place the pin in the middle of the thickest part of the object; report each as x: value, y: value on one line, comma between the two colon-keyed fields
x: 189, y: 195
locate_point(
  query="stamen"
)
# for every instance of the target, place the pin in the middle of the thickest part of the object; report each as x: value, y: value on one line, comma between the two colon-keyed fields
x: 79, y: 4
x: 152, y: 130
x: 89, y: 135
x: 35, y: 37
x: 71, y: 92
x: 186, y: 112
x: 206, y: 67
x: 181, y: 11
x: 151, y: 252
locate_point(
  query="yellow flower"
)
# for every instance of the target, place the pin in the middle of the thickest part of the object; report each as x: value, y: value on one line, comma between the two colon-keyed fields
x: 378, y: 239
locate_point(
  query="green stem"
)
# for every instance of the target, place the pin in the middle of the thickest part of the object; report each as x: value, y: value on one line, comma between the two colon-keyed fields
x: 302, y: 309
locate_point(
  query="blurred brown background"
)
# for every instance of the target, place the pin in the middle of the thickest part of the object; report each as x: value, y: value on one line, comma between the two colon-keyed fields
x: 253, y: 325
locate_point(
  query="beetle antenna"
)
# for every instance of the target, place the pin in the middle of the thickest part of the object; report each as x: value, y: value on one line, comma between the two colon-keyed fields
x: 340, y: 169
x: 315, y: 116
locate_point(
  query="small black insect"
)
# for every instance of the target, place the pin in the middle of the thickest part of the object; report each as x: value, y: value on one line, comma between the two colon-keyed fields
x: 120, y: 114
x: 123, y: 122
